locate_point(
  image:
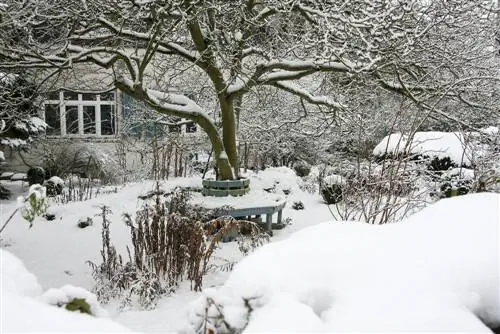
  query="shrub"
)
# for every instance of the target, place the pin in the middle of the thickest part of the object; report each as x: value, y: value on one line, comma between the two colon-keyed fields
x: 79, y: 304
x: 440, y: 164
x: 332, y: 188
x: 54, y: 186
x: 5, y: 193
x: 171, y: 241
x: 298, y: 205
x: 331, y: 193
x: 36, y: 175
x: 456, y: 182
x: 302, y: 168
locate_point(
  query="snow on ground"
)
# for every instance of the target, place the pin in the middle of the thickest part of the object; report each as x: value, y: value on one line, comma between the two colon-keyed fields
x: 24, y: 310
x: 436, y: 271
x: 430, y: 143
x: 57, y: 251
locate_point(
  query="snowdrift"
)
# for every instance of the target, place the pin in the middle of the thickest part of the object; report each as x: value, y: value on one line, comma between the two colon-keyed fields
x: 24, y: 309
x: 436, y: 271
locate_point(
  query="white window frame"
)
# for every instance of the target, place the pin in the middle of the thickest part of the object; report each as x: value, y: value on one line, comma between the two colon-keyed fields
x: 80, y: 103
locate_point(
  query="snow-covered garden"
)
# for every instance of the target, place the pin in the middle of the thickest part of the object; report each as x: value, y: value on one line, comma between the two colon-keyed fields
x: 437, y: 270
x: 226, y: 167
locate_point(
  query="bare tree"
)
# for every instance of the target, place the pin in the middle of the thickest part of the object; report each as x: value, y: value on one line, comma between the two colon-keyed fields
x: 422, y: 49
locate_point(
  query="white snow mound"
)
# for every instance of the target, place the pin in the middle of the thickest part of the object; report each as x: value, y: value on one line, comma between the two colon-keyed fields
x: 22, y: 308
x: 433, y: 144
x: 434, y: 272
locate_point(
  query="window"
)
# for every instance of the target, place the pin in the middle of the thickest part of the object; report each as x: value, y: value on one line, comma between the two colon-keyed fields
x: 107, y: 120
x: 89, y: 120
x: 72, y: 114
x: 174, y: 127
x: 53, y: 119
x: 190, y: 127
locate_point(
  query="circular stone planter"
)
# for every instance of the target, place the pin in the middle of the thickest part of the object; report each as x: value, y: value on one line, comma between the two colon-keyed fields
x: 225, y: 188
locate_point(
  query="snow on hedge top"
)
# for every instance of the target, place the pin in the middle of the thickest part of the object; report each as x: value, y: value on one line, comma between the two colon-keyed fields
x: 432, y: 144
x: 438, y: 271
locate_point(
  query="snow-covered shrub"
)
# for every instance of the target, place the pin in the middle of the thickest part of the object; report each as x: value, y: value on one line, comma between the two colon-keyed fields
x: 69, y: 157
x: 301, y: 168
x: 456, y: 182
x: 441, y: 150
x: 74, y: 299
x: 35, y: 175
x: 54, y: 186
x: 85, y: 222
x: 35, y: 204
x: 298, y: 205
x: 332, y: 188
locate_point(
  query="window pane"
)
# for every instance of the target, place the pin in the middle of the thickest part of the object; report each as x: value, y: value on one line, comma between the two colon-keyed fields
x: 109, y: 96
x: 53, y: 119
x: 174, y: 128
x: 107, y: 120
x: 190, y: 127
x: 89, y: 120
x: 89, y: 97
x: 72, y: 96
x: 72, y: 120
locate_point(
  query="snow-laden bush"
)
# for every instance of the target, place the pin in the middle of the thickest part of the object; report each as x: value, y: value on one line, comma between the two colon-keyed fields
x: 414, y: 276
x: 54, y: 186
x: 456, y: 182
x: 74, y: 299
x: 35, y: 204
x: 432, y: 144
x: 332, y: 187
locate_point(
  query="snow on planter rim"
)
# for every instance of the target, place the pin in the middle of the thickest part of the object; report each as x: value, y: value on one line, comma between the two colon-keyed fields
x: 430, y: 143
x: 436, y: 271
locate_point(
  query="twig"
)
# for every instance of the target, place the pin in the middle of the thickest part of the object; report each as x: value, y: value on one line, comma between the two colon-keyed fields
x: 8, y: 220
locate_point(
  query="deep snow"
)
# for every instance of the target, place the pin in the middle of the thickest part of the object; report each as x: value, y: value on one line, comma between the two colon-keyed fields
x: 437, y: 270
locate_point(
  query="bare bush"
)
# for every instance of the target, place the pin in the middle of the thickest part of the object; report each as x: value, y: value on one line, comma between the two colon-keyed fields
x: 380, y: 194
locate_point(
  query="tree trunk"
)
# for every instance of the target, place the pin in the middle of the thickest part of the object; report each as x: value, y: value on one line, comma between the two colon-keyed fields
x: 229, y: 133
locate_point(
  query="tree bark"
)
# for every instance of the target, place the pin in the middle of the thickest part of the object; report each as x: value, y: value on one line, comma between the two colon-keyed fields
x: 229, y: 133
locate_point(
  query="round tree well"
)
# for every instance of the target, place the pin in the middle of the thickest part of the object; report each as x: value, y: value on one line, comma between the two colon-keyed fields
x: 223, y: 188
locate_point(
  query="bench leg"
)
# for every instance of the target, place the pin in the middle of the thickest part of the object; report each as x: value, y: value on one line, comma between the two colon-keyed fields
x: 280, y: 216
x: 269, y: 222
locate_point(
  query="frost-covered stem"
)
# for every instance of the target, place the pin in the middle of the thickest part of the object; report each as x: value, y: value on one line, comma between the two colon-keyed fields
x: 8, y: 220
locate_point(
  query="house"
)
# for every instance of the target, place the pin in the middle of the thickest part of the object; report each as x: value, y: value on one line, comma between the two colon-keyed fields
x: 82, y: 107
